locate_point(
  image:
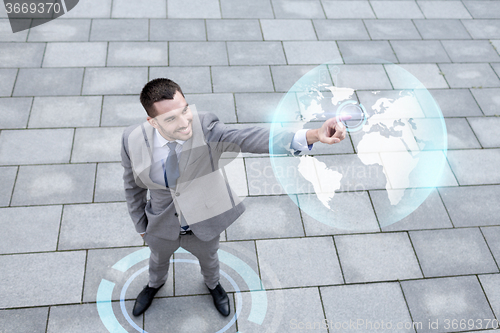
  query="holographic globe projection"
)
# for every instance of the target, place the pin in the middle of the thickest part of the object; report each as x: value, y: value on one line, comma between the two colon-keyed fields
x: 394, y: 154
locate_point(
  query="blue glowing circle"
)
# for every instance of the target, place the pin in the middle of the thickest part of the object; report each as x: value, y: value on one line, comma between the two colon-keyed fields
x: 104, y: 294
x: 392, y: 158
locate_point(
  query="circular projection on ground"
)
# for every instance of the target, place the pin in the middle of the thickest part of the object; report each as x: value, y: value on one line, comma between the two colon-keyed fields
x: 394, y: 154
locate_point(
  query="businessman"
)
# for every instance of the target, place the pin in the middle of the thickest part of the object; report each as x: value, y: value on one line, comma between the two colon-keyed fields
x: 175, y: 155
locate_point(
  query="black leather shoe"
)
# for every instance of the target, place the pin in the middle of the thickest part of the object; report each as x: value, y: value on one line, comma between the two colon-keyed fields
x: 221, y: 300
x: 144, y: 299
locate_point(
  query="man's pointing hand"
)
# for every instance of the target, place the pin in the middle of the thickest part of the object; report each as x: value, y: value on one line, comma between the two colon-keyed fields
x: 332, y: 131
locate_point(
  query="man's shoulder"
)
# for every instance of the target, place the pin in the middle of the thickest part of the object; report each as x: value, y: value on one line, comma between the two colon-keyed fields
x: 128, y: 130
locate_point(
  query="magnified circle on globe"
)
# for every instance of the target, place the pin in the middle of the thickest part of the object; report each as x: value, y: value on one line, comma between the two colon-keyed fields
x: 389, y: 163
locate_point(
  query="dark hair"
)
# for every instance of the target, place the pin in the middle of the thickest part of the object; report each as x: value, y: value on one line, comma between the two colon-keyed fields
x: 157, y: 90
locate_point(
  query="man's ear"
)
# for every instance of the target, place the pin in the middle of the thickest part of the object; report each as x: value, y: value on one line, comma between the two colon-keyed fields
x: 153, y: 122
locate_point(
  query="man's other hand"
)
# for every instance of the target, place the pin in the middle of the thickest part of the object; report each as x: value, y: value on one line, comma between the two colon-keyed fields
x: 332, y: 131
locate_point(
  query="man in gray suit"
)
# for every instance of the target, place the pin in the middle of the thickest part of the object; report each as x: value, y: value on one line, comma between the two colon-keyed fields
x: 176, y: 155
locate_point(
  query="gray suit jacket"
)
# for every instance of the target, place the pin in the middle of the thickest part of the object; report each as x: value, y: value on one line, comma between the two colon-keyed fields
x: 202, y: 192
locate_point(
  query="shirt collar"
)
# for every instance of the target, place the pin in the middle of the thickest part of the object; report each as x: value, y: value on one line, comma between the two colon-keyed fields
x: 161, y: 141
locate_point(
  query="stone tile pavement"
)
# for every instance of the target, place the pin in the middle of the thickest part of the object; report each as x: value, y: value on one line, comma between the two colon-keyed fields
x: 70, y: 260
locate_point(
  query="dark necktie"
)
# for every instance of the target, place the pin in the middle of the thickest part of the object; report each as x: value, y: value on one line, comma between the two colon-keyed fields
x: 171, y: 166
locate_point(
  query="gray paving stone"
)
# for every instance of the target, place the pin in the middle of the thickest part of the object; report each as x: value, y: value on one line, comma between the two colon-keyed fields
x: 470, y: 51
x: 48, y: 81
x: 61, y: 30
x: 242, y: 79
x: 119, y: 30
x: 21, y: 54
x: 261, y: 107
x: 260, y: 177
x: 293, y: 309
x: 100, y: 264
x: 97, y: 144
x: 109, y: 183
x: 24, y: 320
x: 226, y: 30
x: 137, y: 54
x: 287, y: 30
x: 366, y: 52
x: 365, y: 307
x: 284, y: 77
x: 377, y: 257
x: 15, y: 112
x: 452, y: 252
x: 465, y: 212
x: 490, y: 285
x: 194, y: 9
x: 177, y: 314
x: 441, y: 29
x: 42, y: 279
x: 30, y: 229
x: 362, y: 77
x: 6, y: 34
x: 437, y: 300
x: 348, y: 9
x: 483, y: 29
x: 7, y: 178
x: 198, y: 53
x: 35, y: 146
x: 75, y: 54
x: 357, y: 176
x: 396, y: 9
x: 306, y: 53
x: 233, y: 256
x: 391, y: 29
x: 428, y: 75
x: 190, y: 79
x: 431, y: 214
x: 355, y: 216
x: 82, y: 318
x: 297, y: 9
x: 73, y: 111
x: 475, y: 166
x: 483, y: 9
x: 299, y: 262
x: 54, y: 184
x: 496, y: 68
x: 7, y: 79
x: 485, y: 130
x: 177, y: 30
x: 246, y: 9
x: 122, y: 111
x: 220, y: 104
x: 488, y: 100
x: 256, y: 53
x: 491, y: 235
x: 118, y: 80
x: 340, y: 29
x: 91, y: 9
x: 444, y: 9
x: 96, y: 225
x: 496, y: 44
x: 460, y: 135
x: 420, y: 51
x: 137, y: 9
x: 255, y: 223
x: 456, y: 102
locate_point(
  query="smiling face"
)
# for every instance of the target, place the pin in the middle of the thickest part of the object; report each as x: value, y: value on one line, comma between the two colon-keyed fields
x: 174, y: 118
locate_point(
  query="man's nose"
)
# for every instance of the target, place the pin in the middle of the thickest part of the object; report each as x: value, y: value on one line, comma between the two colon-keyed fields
x: 184, y: 121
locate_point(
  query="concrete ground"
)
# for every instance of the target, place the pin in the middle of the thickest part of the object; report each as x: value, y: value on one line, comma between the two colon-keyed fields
x: 70, y: 259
